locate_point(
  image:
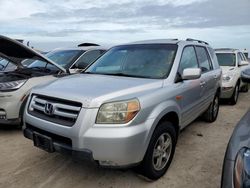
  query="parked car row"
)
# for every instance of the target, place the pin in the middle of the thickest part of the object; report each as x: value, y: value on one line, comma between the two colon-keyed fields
x: 122, y: 108
x: 15, y: 85
x: 232, y: 62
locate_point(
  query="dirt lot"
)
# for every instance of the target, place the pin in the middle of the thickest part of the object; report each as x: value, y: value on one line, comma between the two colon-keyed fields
x: 197, y: 162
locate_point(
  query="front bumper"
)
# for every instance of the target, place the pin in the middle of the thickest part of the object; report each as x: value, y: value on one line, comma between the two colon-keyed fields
x: 59, y: 146
x: 227, y: 174
x: 10, y: 105
x: 10, y: 121
x: 116, y: 147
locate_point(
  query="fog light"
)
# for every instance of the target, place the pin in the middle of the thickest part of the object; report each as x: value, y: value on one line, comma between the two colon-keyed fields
x: 2, y: 114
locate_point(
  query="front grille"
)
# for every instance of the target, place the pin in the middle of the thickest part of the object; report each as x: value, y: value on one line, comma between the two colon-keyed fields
x: 55, y: 137
x: 60, y: 111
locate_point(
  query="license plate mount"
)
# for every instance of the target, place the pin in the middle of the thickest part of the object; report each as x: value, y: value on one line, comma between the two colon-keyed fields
x: 43, y: 142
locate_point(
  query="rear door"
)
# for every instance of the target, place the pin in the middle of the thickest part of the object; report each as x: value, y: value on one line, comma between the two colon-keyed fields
x: 208, y: 77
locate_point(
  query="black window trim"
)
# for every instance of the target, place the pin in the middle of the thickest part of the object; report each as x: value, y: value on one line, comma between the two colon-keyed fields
x: 209, y: 59
x: 210, y: 56
x: 102, y: 50
x: 239, y: 59
x: 242, y: 56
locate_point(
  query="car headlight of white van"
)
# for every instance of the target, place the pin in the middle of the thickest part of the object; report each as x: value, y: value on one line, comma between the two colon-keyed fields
x: 118, y: 112
x: 8, y: 86
x: 227, y: 77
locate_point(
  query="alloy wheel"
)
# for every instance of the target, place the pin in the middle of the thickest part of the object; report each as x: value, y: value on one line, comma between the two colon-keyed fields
x: 162, y: 151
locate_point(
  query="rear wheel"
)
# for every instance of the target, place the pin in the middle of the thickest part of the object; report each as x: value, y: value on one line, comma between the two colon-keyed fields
x: 212, y: 112
x: 160, y: 152
x: 235, y: 96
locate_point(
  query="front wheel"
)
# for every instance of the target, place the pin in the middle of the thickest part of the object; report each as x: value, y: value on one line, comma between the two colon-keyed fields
x: 235, y: 95
x: 160, y: 152
x: 212, y: 112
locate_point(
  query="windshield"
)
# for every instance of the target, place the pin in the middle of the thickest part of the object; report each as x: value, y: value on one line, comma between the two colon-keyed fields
x: 6, y: 65
x: 27, y: 62
x: 62, y: 57
x: 147, y: 61
x: 3, y: 63
x: 226, y: 59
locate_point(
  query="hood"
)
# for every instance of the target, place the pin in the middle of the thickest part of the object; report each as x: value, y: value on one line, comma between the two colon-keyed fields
x: 16, y: 52
x: 93, y: 90
x: 227, y: 69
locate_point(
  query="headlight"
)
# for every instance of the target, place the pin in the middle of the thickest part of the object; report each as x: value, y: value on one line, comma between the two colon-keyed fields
x: 118, y: 112
x: 8, y: 86
x: 227, y: 77
x: 242, y: 169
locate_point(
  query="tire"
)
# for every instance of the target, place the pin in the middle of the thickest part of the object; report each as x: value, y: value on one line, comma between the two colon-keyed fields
x: 211, y: 113
x: 233, y: 100
x: 159, y: 155
x: 245, y: 88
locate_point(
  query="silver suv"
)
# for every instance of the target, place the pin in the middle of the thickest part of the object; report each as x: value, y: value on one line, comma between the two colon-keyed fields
x: 129, y: 106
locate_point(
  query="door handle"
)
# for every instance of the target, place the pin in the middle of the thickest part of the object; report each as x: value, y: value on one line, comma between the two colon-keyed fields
x: 202, y: 83
x: 215, y: 76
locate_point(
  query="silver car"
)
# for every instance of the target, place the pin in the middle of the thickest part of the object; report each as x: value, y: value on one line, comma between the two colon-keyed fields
x: 128, y: 107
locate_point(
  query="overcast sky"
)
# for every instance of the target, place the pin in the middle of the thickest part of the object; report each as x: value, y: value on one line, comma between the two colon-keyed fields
x: 54, y: 23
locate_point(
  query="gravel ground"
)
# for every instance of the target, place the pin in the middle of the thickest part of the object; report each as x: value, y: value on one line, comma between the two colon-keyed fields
x: 197, y: 161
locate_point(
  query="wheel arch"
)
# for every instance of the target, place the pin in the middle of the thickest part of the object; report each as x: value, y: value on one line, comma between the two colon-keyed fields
x: 168, y: 115
x: 172, y: 117
x: 23, y: 105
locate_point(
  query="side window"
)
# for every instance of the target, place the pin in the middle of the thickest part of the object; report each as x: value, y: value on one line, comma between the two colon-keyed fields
x: 239, y: 58
x: 243, y: 58
x: 203, y: 59
x: 214, y: 57
x: 188, y: 59
x: 88, y: 58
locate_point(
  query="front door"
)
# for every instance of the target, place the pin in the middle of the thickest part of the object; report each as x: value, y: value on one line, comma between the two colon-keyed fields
x: 190, y: 90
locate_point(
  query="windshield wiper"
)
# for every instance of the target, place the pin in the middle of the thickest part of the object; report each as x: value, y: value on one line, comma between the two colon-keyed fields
x: 40, y: 68
x: 118, y: 74
x: 89, y: 73
x: 126, y: 75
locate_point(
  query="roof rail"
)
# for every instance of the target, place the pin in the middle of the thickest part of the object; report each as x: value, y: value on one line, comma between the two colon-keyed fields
x: 225, y: 49
x: 195, y: 40
x: 87, y: 44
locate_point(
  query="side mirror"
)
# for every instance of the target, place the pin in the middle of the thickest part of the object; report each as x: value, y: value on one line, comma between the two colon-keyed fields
x: 81, y: 65
x: 191, y: 73
x: 245, y: 75
x: 243, y: 63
